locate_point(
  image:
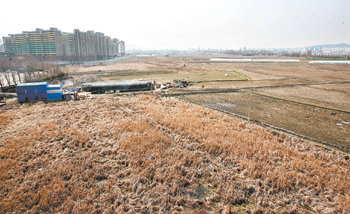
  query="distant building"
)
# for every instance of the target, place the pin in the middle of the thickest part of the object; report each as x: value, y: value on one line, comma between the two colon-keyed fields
x: 122, y: 48
x: 71, y: 46
x: 2, y: 49
x: 36, y: 43
x: 115, y: 47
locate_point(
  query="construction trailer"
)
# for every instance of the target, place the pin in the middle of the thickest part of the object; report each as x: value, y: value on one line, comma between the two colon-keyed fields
x: 122, y: 86
x: 54, y: 92
x: 38, y: 91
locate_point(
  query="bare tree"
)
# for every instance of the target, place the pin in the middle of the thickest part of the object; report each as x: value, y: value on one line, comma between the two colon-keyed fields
x: 19, y: 75
x: 13, y: 66
x: 13, y: 75
x: 17, y: 66
x: 4, y: 67
x: 2, y: 82
x: 7, y: 77
x: 31, y: 66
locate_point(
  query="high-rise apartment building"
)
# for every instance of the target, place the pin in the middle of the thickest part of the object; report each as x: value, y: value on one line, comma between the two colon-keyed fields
x: 115, y: 47
x: 122, y: 48
x: 90, y: 45
x: 68, y: 45
x: 37, y: 43
x: 72, y: 46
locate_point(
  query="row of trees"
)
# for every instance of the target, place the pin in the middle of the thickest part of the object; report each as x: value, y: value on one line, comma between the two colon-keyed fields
x: 14, y: 70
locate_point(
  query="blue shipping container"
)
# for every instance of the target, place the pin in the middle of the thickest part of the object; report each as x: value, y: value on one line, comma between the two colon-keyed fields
x: 31, y: 92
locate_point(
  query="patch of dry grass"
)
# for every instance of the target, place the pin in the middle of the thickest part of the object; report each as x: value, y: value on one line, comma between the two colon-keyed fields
x: 146, y: 154
x: 315, y: 95
x: 5, y: 119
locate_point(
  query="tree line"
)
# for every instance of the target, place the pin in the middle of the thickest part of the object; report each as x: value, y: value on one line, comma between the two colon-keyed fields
x: 16, y: 69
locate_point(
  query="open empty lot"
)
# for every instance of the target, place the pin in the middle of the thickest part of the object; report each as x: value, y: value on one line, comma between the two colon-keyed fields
x: 187, y: 64
x: 148, y: 154
x: 328, y: 126
x: 160, y: 69
x: 286, y: 95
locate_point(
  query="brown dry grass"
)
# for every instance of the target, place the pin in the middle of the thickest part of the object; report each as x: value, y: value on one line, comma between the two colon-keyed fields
x: 302, y: 71
x: 6, y: 119
x: 250, y: 83
x: 324, y: 125
x: 329, y: 96
x: 255, y: 71
x: 125, y: 64
x: 160, y: 69
x: 146, y: 154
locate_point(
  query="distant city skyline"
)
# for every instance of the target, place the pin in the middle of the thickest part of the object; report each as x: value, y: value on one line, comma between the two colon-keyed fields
x: 225, y: 24
x: 76, y: 45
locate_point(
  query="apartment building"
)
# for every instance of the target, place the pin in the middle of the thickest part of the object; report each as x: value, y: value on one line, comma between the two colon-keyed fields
x: 78, y: 45
x: 115, y: 47
x: 122, y: 48
x: 37, y: 43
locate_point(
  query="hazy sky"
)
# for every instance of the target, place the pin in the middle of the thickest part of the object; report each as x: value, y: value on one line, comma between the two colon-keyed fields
x: 182, y: 24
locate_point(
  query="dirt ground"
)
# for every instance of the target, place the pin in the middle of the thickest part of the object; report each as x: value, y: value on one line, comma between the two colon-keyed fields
x: 324, y: 86
x: 250, y: 83
x: 148, y: 154
x: 336, y: 96
x: 302, y: 71
x: 321, y: 124
x: 254, y: 71
x: 160, y: 69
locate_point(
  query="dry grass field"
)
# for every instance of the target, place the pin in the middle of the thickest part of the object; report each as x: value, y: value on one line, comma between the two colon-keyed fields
x: 250, y: 83
x: 152, y: 154
x: 306, y: 86
x: 296, y: 87
x: 304, y: 71
x: 335, y: 96
x: 160, y: 69
x: 321, y: 124
x: 255, y: 71
x: 147, y: 154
